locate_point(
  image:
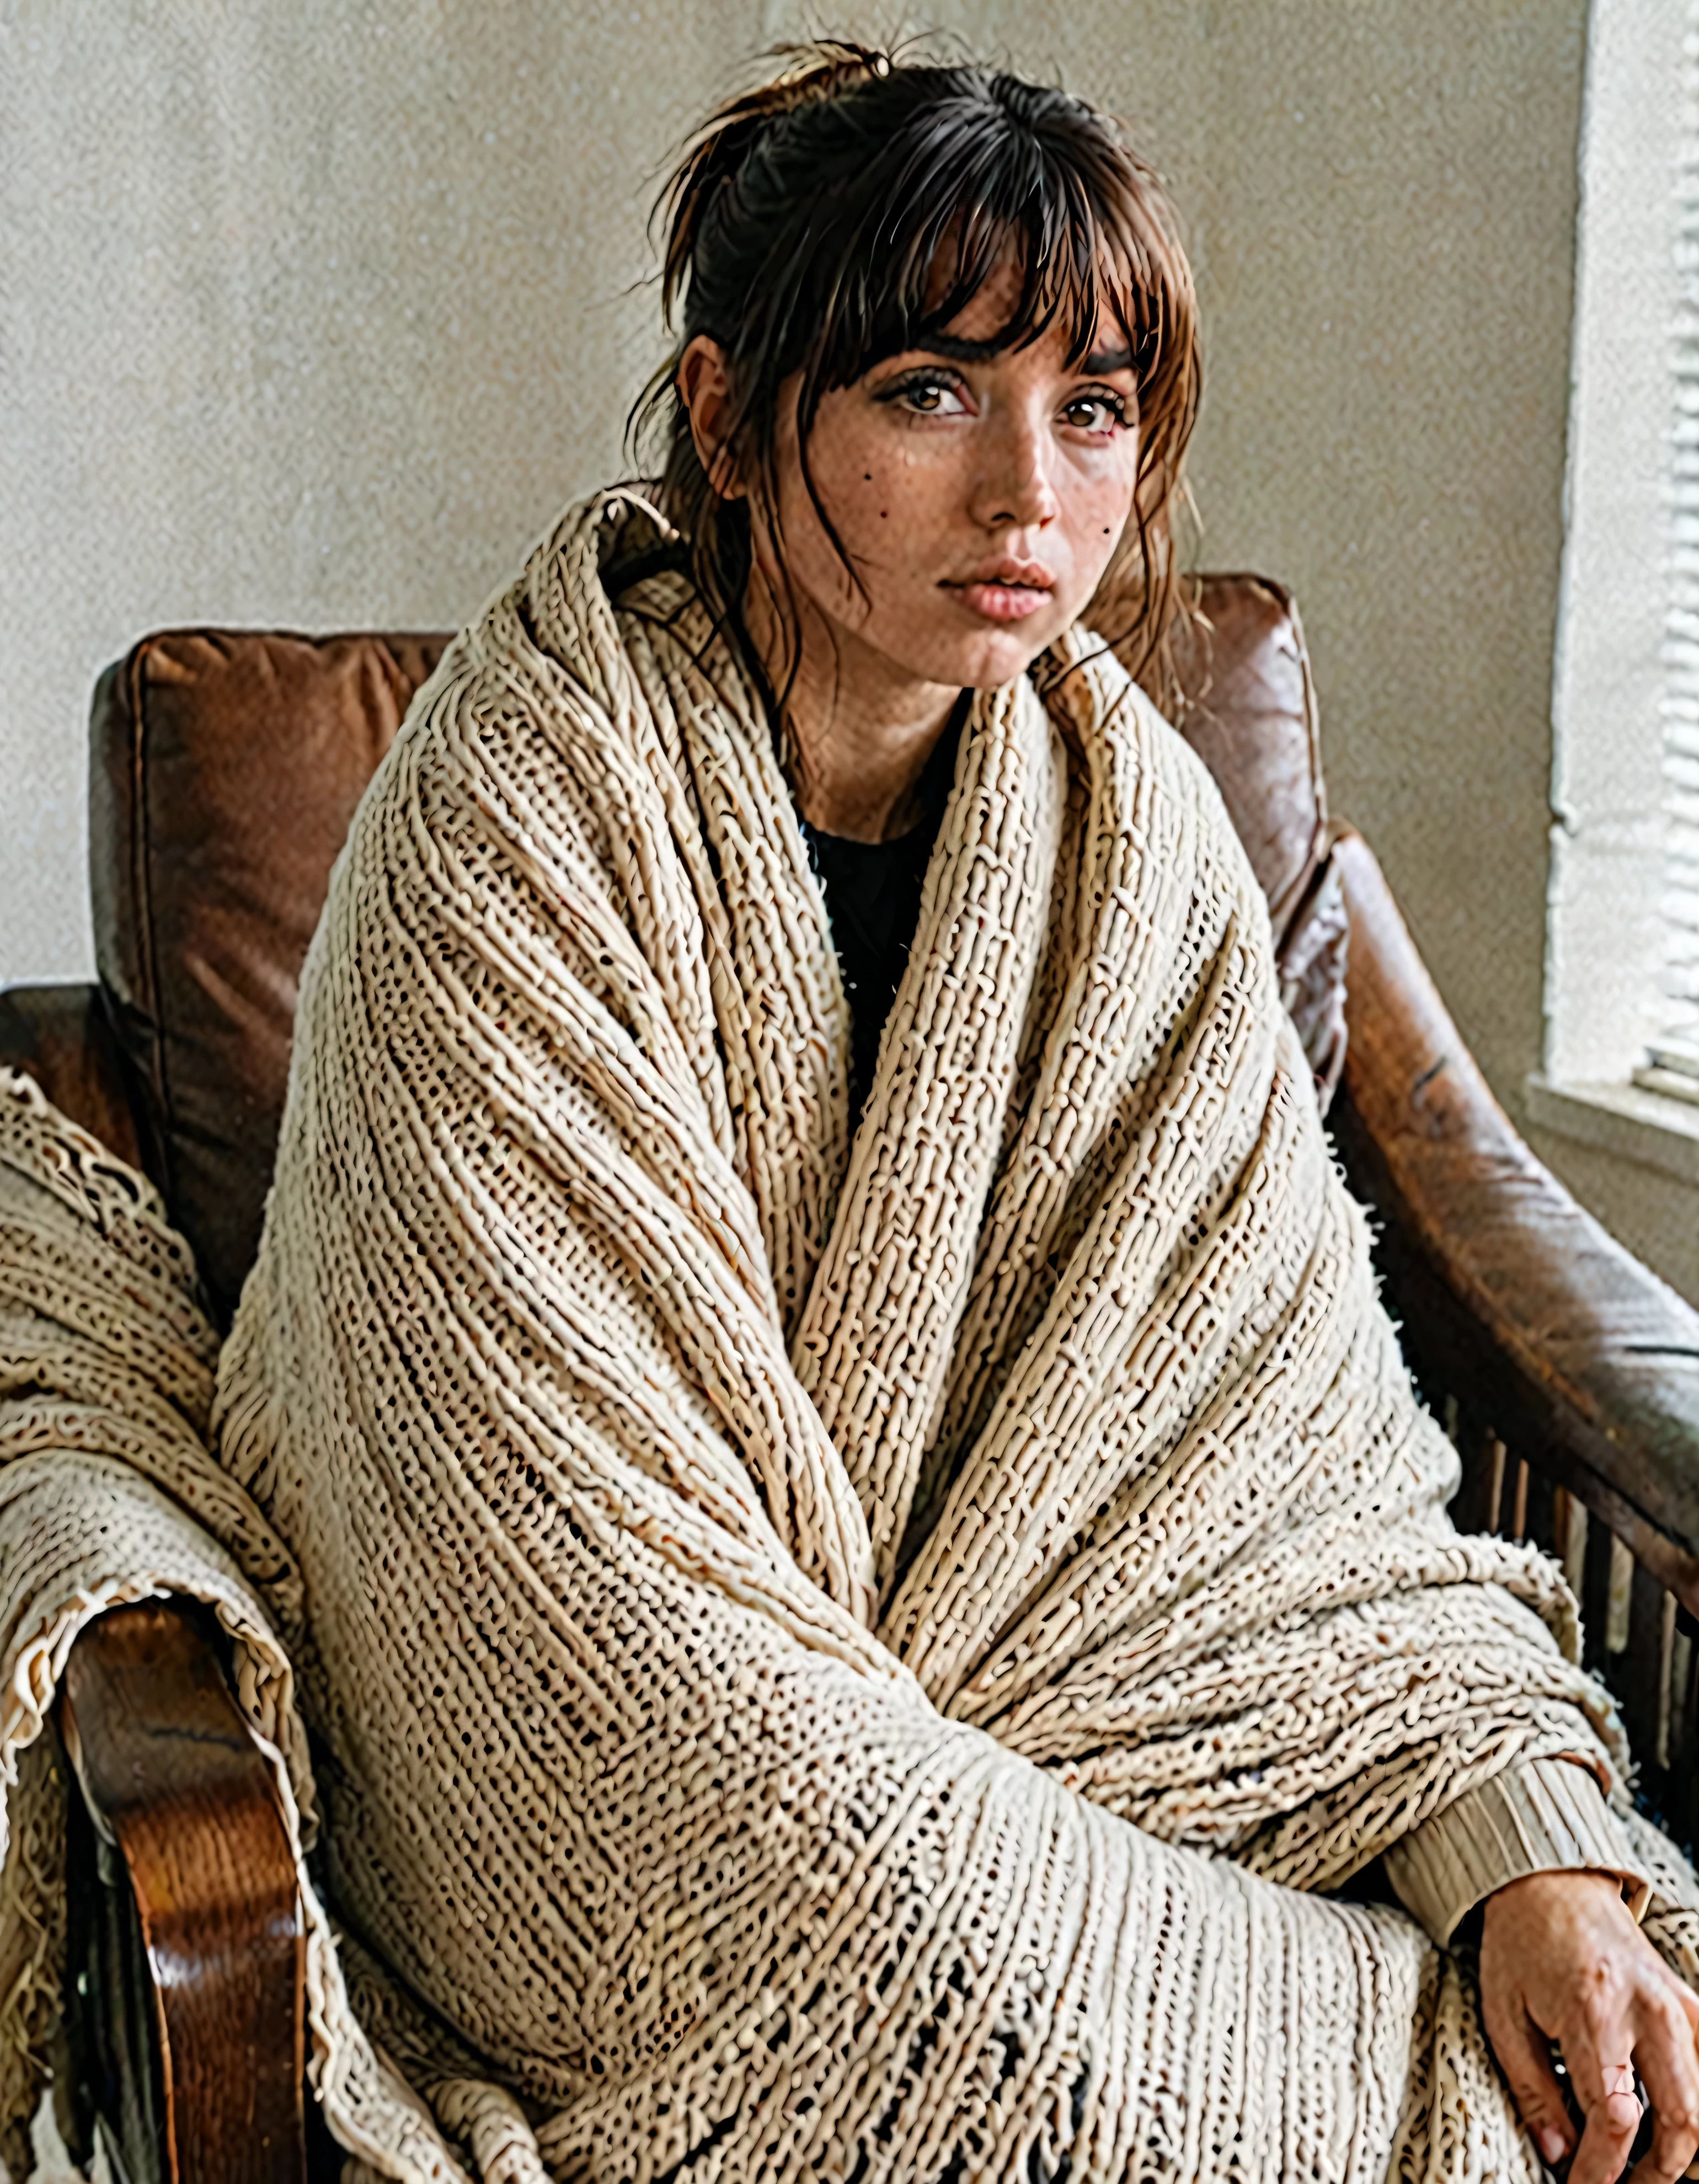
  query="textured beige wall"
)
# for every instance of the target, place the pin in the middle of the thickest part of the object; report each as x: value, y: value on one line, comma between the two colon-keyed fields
x: 1386, y: 431
x: 315, y: 314
x: 309, y: 315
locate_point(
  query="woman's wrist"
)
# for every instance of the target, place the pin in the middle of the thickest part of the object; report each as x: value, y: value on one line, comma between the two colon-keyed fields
x: 1546, y: 1886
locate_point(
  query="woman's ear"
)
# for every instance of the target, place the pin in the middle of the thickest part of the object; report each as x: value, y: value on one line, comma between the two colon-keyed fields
x: 705, y: 391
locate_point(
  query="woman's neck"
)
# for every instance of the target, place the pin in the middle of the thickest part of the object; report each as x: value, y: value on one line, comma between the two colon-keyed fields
x: 858, y: 731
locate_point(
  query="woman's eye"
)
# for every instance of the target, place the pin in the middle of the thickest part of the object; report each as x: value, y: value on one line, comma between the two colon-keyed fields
x: 1094, y: 413
x: 931, y: 398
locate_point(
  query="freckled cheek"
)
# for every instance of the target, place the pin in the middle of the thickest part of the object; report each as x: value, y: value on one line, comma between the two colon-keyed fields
x: 1102, y: 517
x: 892, y: 504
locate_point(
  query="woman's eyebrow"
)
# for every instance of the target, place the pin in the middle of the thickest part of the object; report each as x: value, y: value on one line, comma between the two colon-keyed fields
x: 1109, y: 359
x: 959, y: 351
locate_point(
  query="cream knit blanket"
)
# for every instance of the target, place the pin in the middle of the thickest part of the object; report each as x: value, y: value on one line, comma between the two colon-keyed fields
x: 824, y: 1660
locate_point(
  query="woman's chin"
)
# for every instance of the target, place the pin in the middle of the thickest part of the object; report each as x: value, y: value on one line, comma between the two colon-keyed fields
x: 983, y: 660
x: 996, y: 659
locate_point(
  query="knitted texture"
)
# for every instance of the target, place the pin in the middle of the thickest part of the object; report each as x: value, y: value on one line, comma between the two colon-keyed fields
x: 828, y: 1659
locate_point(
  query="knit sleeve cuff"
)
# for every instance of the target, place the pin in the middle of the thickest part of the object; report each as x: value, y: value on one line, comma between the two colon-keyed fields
x: 1542, y: 1816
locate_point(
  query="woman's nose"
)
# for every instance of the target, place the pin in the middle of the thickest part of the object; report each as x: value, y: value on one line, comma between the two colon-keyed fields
x: 1015, y: 485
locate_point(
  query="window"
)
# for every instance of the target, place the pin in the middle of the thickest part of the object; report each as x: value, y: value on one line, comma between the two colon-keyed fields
x: 1623, y: 954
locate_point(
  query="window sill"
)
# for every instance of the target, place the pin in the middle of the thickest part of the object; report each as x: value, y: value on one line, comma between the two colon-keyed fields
x: 1622, y: 1120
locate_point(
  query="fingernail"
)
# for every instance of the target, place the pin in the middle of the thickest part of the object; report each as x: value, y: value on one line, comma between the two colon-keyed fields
x: 1550, y: 2141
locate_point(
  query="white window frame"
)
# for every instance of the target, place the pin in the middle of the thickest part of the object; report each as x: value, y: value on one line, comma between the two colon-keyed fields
x: 1605, y: 1002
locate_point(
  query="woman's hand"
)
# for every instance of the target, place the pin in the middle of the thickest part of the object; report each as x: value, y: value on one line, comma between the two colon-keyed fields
x: 1562, y: 1959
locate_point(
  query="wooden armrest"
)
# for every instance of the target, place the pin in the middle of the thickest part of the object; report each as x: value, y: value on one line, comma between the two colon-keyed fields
x: 1587, y: 1356
x: 172, y: 1776
x: 60, y: 1035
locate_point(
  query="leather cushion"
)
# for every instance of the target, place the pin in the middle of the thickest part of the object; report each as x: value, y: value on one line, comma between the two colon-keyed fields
x: 225, y: 770
x: 1249, y: 711
x: 60, y: 1036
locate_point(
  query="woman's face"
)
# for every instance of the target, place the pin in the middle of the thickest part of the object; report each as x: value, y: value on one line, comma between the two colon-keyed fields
x: 978, y: 495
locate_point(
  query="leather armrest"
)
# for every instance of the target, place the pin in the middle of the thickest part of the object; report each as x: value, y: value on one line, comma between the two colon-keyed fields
x: 60, y: 1035
x: 1592, y: 1359
x: 172, y: 1777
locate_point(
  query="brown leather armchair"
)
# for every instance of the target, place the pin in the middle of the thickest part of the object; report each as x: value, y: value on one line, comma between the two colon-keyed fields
x: 226, y: 768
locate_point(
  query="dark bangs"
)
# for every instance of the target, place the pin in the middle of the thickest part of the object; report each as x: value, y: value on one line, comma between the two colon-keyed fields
x: 853, y: 208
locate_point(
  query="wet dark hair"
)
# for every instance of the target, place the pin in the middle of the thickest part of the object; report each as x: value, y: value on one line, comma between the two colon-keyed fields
x: 847, y: 211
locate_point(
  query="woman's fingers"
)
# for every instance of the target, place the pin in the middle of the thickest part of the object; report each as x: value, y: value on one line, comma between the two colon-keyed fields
x: 1669, y: 2070
x: 1609, y: 2100
x: 1525, y: 2055
x: 1651, y: 2031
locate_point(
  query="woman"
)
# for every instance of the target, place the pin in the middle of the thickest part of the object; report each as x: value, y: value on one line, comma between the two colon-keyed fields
x: 812, y: 1422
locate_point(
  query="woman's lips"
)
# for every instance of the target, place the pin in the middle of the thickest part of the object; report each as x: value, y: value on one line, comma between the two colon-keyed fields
x: 1001, y: 602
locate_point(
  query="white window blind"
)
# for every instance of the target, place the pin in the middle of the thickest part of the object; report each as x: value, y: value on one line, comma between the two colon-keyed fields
x: 1672, y: 1064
